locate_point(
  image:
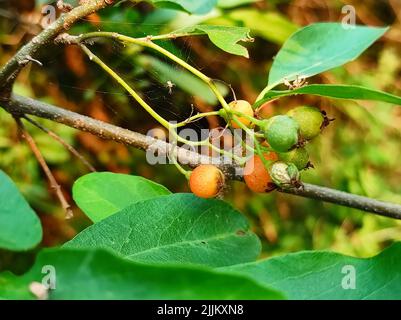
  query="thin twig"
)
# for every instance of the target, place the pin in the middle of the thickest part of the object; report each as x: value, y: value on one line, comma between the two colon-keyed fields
x: 184, y: 156
x: 42, y: 162
x: 56, y: 137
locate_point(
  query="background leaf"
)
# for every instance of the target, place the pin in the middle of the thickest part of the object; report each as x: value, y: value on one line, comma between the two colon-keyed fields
x: 320, y: 47
x: 224, y: 37
x: 102, y: 194
x: 319, y: 274
x: 101, y: 275
x: 335, y: 91
x: 268, y: 25
x: 234, y: 3
x: 20, y: 228
x: 190, y: 6
x: 176, y: 228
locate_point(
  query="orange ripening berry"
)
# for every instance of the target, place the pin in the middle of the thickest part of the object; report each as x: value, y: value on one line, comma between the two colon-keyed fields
x: 206, y: 181
x: 243, y: 107
x: 256, y: 176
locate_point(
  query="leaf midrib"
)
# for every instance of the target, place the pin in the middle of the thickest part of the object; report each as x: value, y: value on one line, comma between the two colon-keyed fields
x: 188, y: 242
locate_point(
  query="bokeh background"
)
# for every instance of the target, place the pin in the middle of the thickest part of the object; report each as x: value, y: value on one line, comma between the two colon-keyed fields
x: 360, y: 152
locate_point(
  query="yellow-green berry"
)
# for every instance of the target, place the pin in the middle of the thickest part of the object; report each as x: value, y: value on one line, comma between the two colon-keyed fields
x: 309, y: 119
x: 298, y: 156
x: 281, y: 133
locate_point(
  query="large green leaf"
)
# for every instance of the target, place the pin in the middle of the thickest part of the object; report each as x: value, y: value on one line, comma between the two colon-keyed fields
x: 176, y: 228
x: 20, y: 228
x: 318, y: 48
x: 99, y: 274
x: 191, y: 6
x: 102, y: 194
x: 227, y: 38
x: 335, y: 91
x: 327, y: 275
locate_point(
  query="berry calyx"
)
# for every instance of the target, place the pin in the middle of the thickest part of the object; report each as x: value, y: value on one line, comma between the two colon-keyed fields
x: 309, y: 119
x: 206, y: 181
x: 243, y: 107
x: 281, y: 133
x: 256, y: 176
x: 298, y: 156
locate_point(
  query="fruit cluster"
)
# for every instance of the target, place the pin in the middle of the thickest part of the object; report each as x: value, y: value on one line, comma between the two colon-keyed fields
x: 281, y: 149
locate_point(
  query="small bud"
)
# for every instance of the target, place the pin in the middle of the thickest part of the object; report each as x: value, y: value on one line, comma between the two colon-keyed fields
x: 285, y: 175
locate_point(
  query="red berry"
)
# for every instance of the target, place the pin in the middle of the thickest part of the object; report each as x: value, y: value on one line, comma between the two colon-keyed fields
x: 256, y: 176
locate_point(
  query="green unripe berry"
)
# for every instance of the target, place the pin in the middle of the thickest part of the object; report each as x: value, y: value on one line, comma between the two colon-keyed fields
x: 299, y: 157
x: 281, y: 133
x: 285, y: 175
x: 309, y: 119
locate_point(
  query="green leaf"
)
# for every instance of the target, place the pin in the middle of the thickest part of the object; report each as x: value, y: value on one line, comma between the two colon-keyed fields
x: 335, y: 91
x: 99, y: 274
x: 224, y: 37
x: 20, y: 228
x: 321, y: 275
x: 182, y: 79
x: 100, y: 195
x: 190, y: 6
x: 320, y: 47
x: 176, y: 228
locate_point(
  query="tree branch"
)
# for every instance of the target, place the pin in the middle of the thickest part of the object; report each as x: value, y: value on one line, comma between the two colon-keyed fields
x: 382, y: 208
x: 20, y: 105
x: 28, y: 52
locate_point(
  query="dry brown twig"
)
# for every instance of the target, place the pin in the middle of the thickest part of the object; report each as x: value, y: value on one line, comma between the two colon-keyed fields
x: 56, y: 137
x: 42, y: 162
